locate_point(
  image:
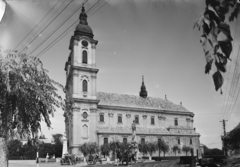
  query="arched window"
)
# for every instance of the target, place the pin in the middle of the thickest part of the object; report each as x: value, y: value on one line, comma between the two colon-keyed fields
x: 119, y: 118
x: 190, y: 140
x: 84, y: 57
x: 152, y: 121
x: 105, y: 140
x: 101, y: 118
x: 136, y: 119
x: 124, y: 140
x: 85, y: 131
x: 179, y: 142
x: 85, y: 86
x: 142, y: 140
x: 176, y: 122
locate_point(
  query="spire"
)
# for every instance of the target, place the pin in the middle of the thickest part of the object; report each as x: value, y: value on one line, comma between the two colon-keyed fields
x: 83, y: 17
x: 143, y: 92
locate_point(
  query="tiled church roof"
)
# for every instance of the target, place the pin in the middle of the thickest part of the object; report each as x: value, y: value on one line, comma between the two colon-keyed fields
x: 125, y: 100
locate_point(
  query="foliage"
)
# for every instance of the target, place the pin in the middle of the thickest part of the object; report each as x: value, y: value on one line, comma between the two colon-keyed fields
x: 105, y: 149
x: 114, y: 145
x: 15, y: 148
x: 58, y: 145
x: 175, y: 149
x: 213, y: 151
x: 89, y: 148
x: 162, y: 146
x: 143, y: 148
x: 216, y: 39
x: 186, y: 149
x: 27, y: 95
x: 152, y: 147
x: 232, y: 139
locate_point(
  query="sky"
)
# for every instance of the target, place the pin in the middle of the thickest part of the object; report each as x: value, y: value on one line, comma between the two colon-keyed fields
x: 154, y: 38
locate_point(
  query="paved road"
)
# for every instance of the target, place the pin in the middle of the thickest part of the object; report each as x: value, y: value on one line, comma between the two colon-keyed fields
x: 32, y: 163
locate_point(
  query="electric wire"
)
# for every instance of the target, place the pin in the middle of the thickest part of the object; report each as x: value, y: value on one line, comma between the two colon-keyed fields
x: 55, y: 30
x: 65, y: 32
x: 48, y: 24
x: 233, y: 91
x: 37, y: 24
x: 233, y: 106
x: 228, y: 78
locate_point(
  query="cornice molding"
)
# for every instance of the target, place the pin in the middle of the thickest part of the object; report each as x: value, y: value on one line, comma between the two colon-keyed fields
x: 102, y: 106
x: 95, y: 101
x: 88, y: 69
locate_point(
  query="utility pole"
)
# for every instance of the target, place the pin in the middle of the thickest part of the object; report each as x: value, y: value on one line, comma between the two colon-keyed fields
x: 224, y: 134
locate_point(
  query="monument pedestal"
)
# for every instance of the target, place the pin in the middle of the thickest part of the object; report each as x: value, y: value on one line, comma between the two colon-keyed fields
x: 65, y: 150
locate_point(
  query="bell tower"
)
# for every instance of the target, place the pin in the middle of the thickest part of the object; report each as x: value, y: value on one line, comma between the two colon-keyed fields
x: 81, y: 74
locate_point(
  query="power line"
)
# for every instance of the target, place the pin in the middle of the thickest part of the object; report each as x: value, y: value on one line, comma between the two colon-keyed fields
x: 49, y: 23
x: 65, y: 32
x: 54, y: 31
x: 224, y: 107
x: 36, y: 25
x: 234, y: 76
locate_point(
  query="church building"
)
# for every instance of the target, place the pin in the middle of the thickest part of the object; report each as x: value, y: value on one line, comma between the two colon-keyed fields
x: 102, y: 117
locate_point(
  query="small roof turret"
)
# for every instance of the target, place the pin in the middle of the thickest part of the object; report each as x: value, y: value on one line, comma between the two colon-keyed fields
x: 143, y: 91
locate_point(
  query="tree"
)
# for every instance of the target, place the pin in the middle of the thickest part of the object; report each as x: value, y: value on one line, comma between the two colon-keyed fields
x: 89, y: 148
x: 216, y: 39
x: 114, y: 145
x: 143, y: 148
x: 186, y: 149
x: 58, y: 145
x: 165, y: 148
x: 15, y: 148
x: 152, y: 148
x: 232, y: 139
x: 105, y: 149
x: 160, y: 144
x: 175, y: 149
x: 27, y: 95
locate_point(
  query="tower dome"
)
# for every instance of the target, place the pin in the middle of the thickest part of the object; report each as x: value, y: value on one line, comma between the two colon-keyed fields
x: 143, y: 91
x: 83, y: 26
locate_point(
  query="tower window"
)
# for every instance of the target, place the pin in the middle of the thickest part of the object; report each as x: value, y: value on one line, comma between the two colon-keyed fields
x: 105, y: 140
x: 190, y: 140
x: 85, y: 86
x: 84, y: 57
x: 152, y: 121
x: 176, y: 122
x: 124, y: 140
x: 101, y: 118
x: 119, y: 118
x: 136, y: 119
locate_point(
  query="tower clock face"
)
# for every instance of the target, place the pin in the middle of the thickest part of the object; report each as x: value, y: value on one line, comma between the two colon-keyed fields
x: 84, y: 43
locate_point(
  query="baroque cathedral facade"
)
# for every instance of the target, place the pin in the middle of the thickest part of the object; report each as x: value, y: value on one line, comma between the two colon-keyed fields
x: 103, y: 117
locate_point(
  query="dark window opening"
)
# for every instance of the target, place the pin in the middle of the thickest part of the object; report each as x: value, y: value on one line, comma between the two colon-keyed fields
x: 84, y: 57
x: 136, y: 120
x: 176, y: 122
x: 179, y: 142
x: 124, y: 140
x: 101, y: 118
x: 85, y: 87
x: 105, y: 141
x: 190, y: 141
x: 152, y: 120
x: 142, y: 140
x: 119, y: 119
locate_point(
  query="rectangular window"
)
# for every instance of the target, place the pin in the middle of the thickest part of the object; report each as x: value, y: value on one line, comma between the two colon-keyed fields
x: 190, y: 140
x: 142, y: 140
x: 179, y: 142
x: 176, y: 122
x: 101, y: 118
x: 105, y: 140
x: 119, y: 118
x: 124, y: 140
x: 136, y: 119
x: 152, y: 121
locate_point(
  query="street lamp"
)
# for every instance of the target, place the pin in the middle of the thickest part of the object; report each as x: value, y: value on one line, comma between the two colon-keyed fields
x: 2, y: 9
